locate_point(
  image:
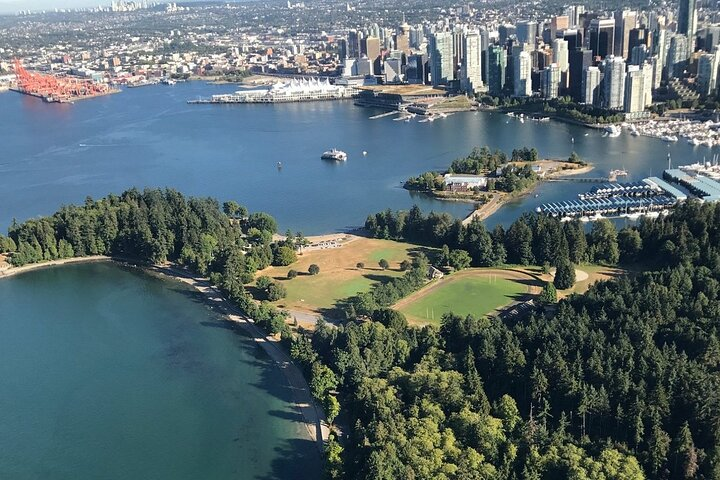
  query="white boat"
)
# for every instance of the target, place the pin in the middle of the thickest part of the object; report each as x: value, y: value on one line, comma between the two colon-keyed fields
x: 364, y: 153
x: 334, y: 154
x: 669, y: 138
x: 613, y: 130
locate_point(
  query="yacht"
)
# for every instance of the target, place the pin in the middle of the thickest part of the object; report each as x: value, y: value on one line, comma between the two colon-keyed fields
x: 334, y: 154
x: 613, y: 130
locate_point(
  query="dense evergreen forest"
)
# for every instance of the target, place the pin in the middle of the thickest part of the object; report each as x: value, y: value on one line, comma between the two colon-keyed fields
x: 619, y: 383
x: 226, y: 243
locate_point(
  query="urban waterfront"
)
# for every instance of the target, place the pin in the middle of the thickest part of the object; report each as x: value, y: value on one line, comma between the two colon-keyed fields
x: 112, y: 373
x: 59, y: 154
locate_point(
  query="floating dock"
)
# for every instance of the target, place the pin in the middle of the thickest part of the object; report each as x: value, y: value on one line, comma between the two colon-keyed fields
x: 617, y: 200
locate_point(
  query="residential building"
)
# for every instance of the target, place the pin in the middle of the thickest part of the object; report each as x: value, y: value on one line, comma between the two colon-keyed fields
x: 522, y: 74
x: 591, y: 86
x: 497, y: 63
x: 441, y: 58
x: 550, y: 81
x: 471, y: 70
x: 613, y: 90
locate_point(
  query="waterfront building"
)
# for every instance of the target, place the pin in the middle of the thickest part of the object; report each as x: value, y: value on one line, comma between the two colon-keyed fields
x: 602, y: 36
x: 550, y: 81
x: 522, y: 74
x: 441, y: 58
x: 471, y: 70
x: 497, y: 63
x: 613, y: 90
x: 635, y: 89
x: 292, y: 91
x: 591, y: 86
x: 707, y: 73
x: 578, y: 61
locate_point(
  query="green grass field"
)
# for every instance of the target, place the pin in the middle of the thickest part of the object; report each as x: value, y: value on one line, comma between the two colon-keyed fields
x: 339, y: 278
x: 477, y: 295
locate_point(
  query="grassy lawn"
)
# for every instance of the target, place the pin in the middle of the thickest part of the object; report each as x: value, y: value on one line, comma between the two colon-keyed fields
x: 339, y: 277
x: 471, y: 292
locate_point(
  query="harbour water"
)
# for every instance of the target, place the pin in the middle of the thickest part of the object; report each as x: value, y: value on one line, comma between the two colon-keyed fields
x: 58, y: 154
x: 111, y: 373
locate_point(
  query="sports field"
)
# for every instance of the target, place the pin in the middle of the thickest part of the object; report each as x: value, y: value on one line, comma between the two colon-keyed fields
x: 476, y: 291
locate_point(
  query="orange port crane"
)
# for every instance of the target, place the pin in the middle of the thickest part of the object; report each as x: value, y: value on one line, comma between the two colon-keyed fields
x: 55, y: 88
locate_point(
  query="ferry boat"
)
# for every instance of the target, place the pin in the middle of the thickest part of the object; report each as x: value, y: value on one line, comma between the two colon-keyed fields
x: 334, y: 154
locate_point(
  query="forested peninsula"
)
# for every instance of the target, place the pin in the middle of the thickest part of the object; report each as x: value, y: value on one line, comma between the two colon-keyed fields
x: 621, y: 382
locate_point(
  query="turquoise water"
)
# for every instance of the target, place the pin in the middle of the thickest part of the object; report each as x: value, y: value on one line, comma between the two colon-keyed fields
x: 110, y: 373
x: 59, y: 154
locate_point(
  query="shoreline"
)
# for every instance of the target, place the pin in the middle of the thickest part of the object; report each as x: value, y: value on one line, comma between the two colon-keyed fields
x: 314, y: 418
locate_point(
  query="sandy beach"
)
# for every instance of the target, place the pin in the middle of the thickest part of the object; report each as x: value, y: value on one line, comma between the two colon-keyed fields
x: 317, y: 428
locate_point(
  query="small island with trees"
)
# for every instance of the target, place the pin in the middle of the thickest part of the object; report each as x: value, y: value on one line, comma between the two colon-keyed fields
x: 490, y: 178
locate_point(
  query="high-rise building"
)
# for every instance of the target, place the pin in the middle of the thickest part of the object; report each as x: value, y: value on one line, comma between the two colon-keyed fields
x: 484, y: 46
x: 416, y: 69
x: 402, y: 39
x: 471, y: 70
x: 602, y: 36
x: 657, y: 66
x: 625, y: 21
x: 635, y: 90
x: 638, y: 55
x: 640, y: 36
x: 550, y: 81
x: 573, y: 12
x: 372, y: 51
x: 579, y: 60
x: 526, y: 31
x: 522, y: 74
x: 591, y: 86
x: 505, y: 32
x: 613, y: 83
x: 574, y: 37
x: 687, y: 18
x: 393, y: 70
x: 497, y: 63
x: 560, y: 54
x: 648, y: 74
x: 677, y: 57
x: 342, y: 44
x: 441, y: 58
x: 364, y: 66
x: 557, y: 24
x: 353, y: 41
x: 707, y: 73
